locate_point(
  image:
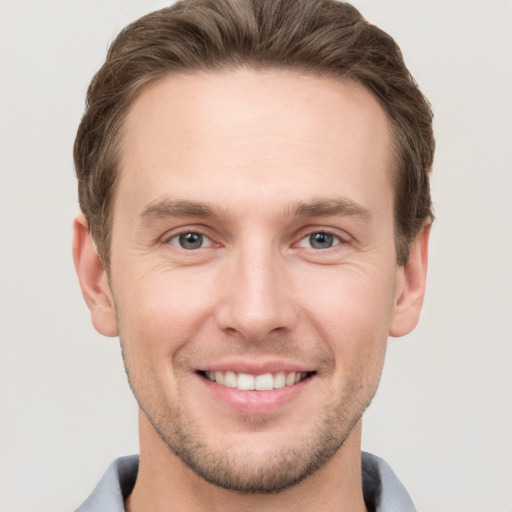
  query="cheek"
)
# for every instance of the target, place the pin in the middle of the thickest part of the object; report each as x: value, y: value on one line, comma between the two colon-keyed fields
x: 351, y: 298
x: 352, y: 313
x: 159, y: 313
x: 157, y: 318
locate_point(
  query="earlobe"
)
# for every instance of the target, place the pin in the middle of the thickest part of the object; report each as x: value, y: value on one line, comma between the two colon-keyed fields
x: 411, y: 288
x: 93, y: 279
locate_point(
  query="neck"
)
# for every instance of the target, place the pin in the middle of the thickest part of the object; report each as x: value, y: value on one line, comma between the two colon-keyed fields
x: 164, y: 483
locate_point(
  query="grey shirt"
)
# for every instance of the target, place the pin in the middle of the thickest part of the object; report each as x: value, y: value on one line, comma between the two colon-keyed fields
x: 382, y: 490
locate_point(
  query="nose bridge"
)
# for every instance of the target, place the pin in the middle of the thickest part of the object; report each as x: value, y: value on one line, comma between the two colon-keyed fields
x: 257, y: 301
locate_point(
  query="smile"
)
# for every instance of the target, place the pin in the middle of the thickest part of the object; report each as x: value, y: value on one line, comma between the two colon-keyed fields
x: 248, y: 382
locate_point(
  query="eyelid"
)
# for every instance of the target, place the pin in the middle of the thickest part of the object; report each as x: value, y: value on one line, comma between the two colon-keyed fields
x: 175, y: 233
x: 337, y: 240
x: 340, y: 238
x: 174, y: 240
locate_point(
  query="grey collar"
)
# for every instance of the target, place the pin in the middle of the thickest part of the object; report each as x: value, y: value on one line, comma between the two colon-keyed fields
x: 382, y: 490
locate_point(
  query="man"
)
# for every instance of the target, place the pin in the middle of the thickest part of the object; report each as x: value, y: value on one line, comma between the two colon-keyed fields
x: 253, y: 177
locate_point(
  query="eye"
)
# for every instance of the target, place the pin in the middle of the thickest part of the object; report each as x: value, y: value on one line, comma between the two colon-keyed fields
x: 320, y: 240
x: 190, y: 241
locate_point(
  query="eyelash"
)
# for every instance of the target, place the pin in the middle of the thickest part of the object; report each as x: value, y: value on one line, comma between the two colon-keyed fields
x: 335, y: 239
x: 179, y: 238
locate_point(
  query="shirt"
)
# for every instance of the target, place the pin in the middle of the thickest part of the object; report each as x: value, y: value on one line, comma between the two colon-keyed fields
x: 382, y: 490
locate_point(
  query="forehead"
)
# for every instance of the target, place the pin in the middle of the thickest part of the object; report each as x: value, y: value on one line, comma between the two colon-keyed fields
x: 259, y: 130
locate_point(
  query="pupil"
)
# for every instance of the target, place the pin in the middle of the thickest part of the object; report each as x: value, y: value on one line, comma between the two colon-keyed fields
x: 321, y: 240
x: 191, y: 240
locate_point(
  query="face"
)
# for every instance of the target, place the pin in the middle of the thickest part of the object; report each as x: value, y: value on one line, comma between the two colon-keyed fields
x: 254, y: 270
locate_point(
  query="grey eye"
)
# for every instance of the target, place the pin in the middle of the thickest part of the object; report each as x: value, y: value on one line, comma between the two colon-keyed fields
x: 190, y: 240
x: 321, y: 240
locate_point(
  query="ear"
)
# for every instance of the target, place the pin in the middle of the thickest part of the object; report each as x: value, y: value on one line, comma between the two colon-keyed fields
x: 93, y: 279
x: 411, y: 286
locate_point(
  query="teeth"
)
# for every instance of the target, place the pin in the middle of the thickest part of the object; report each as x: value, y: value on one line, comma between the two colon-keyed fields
x: 244, y: 381
x: 264, y: 382
x: 290, y: 379
x: 230, y: 379
x: 279, y: 380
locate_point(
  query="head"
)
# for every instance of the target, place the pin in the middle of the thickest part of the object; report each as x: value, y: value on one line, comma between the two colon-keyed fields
x: 254, y: 176
x: 321, y: 38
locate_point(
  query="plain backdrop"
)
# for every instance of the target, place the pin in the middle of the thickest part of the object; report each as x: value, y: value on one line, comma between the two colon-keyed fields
x: 442, y: 417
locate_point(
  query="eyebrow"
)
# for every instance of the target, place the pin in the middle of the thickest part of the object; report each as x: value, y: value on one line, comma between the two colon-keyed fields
x: 176, y: 208
x: 328, y: 207
x: 166, y: 208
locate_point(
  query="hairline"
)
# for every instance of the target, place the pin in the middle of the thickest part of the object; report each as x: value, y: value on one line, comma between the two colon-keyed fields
x: 138, y: 88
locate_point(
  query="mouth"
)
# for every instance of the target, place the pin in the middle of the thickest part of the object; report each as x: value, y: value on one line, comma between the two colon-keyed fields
x: 248, y: 382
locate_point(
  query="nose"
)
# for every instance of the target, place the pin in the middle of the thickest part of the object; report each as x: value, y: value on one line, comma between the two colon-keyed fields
x: 258, y: 298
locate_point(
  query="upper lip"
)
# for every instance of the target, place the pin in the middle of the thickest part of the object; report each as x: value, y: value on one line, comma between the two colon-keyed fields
x: 255, y: 367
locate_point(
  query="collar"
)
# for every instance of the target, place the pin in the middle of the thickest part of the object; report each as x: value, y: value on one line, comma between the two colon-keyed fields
x: 382, y: 490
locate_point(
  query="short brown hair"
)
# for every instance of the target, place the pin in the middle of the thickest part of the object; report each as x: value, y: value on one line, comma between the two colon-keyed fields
x: 320, y: 37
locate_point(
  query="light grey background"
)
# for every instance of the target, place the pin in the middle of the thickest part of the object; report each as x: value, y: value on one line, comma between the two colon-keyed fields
x: 442, y: 417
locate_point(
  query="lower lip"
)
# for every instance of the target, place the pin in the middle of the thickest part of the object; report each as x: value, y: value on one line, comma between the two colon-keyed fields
x: 255, y: 402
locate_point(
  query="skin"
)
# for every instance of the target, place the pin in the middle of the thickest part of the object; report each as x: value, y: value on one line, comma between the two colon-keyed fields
x: 256, y: 162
